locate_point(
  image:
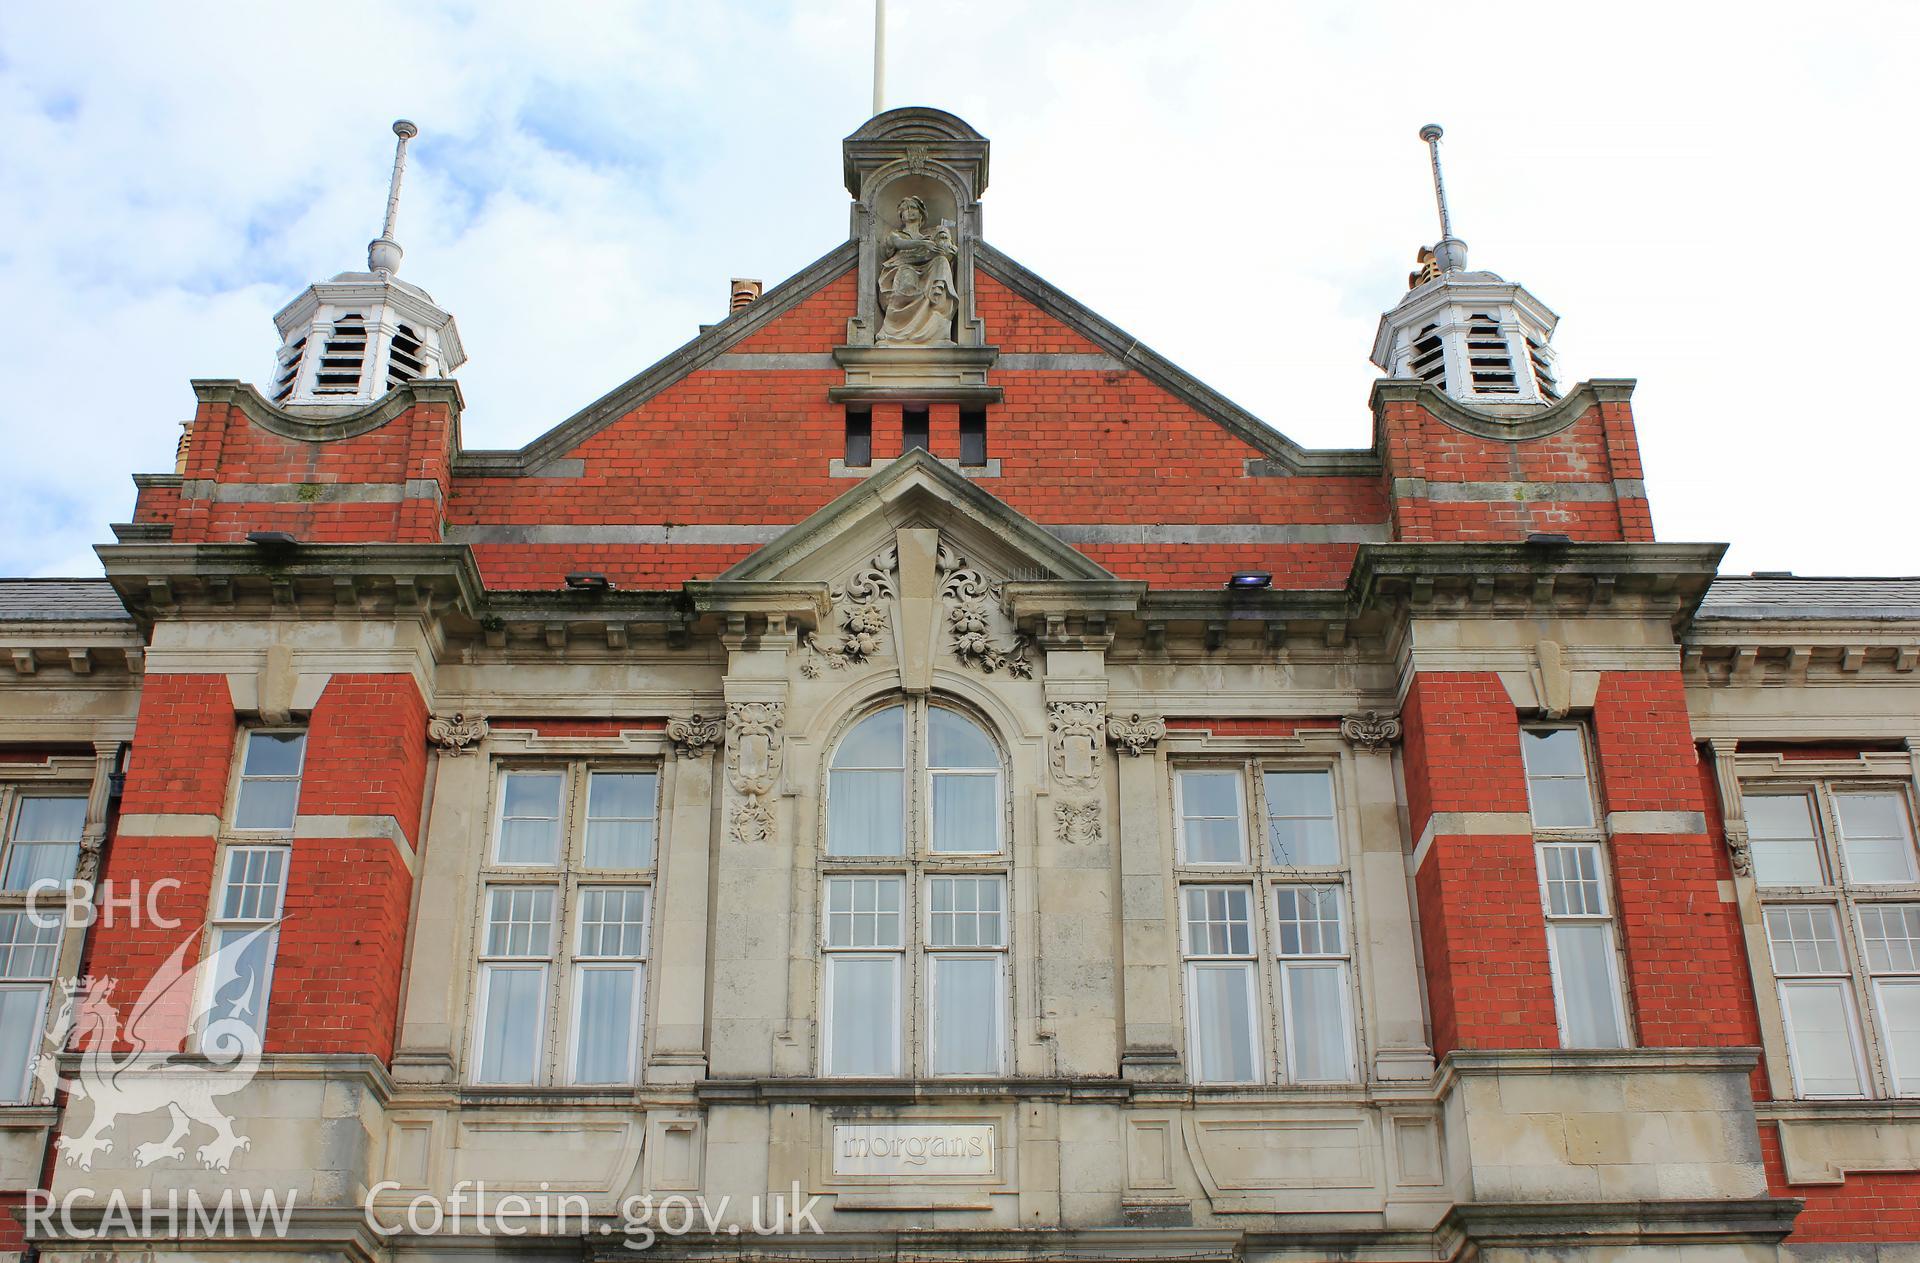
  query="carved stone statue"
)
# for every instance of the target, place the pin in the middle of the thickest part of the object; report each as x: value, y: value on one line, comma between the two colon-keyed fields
x: 917, y: 293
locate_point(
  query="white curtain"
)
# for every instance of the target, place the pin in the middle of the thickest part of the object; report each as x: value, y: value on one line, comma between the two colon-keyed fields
x: 31, y: 863
x: 1820, y: 1028
x: 1316, y: 1022
x: 510, y: 1037
x: 1900, y: 1017
x: 530, y: 824
x: 1222, y: 1023
x: 865, y: 813
x: 865, y: 1014
x: 620, y: 819
x: 965, y: 808
x: 604, y: 1004
x: 20, y: 1038
x: 966, y: 1015
x: 1583, y: 955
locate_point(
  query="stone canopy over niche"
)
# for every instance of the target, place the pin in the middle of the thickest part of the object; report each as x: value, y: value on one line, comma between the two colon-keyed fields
x: 916, y: 176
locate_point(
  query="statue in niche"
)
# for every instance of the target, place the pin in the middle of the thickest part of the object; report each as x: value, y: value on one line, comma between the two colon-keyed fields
x: 917, y: 294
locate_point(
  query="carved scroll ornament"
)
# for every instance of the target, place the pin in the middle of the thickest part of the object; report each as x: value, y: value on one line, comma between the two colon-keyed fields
x: 458, y: 734
x: 695, y: 735
x: 1136, y: 734
x: 1371, y: 731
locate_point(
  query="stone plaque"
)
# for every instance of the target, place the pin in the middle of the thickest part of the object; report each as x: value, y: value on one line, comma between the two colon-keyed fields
x: 913, y: 1149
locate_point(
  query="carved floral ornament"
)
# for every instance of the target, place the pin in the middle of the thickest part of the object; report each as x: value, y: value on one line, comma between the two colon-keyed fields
x: 695, y: 736
x: 1371, y: 731
x: 1136, y: 734
x: 457, y: 734
x: 754, y: 738
x: 972, y: 602
x: 860, y: 611
x: 1076, y: 744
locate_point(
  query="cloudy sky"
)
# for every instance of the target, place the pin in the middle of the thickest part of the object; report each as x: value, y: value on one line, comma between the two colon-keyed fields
x: 1718, y: 199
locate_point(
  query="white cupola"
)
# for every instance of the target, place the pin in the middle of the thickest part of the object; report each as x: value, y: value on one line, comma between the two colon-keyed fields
x: 1470, y: 335
x: 352, y: 339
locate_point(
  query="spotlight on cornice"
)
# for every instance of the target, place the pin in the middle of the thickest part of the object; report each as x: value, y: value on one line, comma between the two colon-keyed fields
x: 1250, y: 579
x: 1549, y: 537
x: 588, y: 581
x: 273, y: 541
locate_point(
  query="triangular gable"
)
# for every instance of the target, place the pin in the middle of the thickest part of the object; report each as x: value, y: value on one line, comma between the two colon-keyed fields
x: 1283, y: 453
x: 918, y: 489
x: 714, y: 341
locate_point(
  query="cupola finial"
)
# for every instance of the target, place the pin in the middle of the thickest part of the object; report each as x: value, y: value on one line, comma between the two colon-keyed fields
x: 383, y: 252
x: 1451, y: 254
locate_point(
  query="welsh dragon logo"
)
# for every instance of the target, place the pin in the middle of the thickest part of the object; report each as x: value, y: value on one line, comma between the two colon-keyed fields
x: 144, y: 1067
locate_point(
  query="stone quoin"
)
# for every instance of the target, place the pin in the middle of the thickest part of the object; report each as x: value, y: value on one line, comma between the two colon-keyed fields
x: 916, y: 747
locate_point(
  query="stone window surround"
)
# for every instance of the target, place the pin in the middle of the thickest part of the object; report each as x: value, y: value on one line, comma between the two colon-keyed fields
x: 915, y: 867
x: 1596, y: 835
x: 1257, y: 872
x: 576, y: 759
x: 1770, y: 772
x: 62, y: 775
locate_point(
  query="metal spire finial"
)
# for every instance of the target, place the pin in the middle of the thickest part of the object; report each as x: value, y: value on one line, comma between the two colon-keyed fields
x: 383, y: 253
x: 1431, y: 133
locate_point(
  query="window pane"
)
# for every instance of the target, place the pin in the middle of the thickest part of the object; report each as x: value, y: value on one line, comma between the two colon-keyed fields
x: 50, y: 820
x: 865, y: 813
x: 1213, y: 841
x: 1210, y: 794
x: 953, y: 740
x: 605, y: 1017
x: 510, y: 1031
x: 1820, y: 1038
x: 966, y: 811
x: 863, y: 912
x: 1890, y: 933
x: 266, y: 804
x: 20, y: 1038
x: 966, y: 912
x: 620, y: 817
x: 28, y: 944
x: 1219, y: 921
x: 530, y: 819
x: 1900, y: 1024
x: 242, y: 975
x: 879, y: 740
x: 1589, y: 1002
x: 1307, y: 921
x: 1300, y: 824
x: 966, y: 1015
x: 1804, y: 940
x: 613, y: 921
x: 1786, y: 850
x: 273, y: 753
x: 252, y: 888
x: 1557, y: 778
x: 1222, y: 1016
x: 864, y: 1015
x: 520, y: 921
x: 1875, y: 838
x: 1573, y: 881
x: 31, y: 863
x: 1317, y: 1044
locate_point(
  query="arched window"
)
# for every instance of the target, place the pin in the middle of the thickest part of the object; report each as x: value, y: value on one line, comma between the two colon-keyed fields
x: 915, y: 913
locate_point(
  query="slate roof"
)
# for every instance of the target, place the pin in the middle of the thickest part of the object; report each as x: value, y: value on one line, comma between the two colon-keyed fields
x: 60, y: 601
x: 1790, y: 597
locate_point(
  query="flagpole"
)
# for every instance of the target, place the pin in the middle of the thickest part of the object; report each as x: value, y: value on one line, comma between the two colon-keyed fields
x: 879, y: 55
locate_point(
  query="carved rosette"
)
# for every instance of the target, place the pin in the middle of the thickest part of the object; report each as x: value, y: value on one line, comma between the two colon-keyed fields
x: 972, y: 603
x: 695, y: 736
x: 1136, y: 734
x: 458, y: 734
x: 1076, y: 742
x: 1371, y: 731
x: 755, y: 734
x: 860, y: 611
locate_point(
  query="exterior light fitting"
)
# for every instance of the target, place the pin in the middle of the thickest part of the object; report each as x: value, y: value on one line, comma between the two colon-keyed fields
x: 587, y: 581
x: 1250, y: 579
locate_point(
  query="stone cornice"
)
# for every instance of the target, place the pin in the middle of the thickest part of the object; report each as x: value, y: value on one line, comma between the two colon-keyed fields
x: 310, y: 424
x: 1505, y: 579
x: 1502, y: 422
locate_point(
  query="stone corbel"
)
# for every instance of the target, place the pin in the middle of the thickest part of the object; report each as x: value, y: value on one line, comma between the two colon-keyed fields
x: 1372, y: 730
x: 457, y: 734
x: 695, y: 736
x: 1733, y: 817
x: 1136, y: 734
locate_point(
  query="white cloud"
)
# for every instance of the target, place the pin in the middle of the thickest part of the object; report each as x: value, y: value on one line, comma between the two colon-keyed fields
x: 1714, y: 199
